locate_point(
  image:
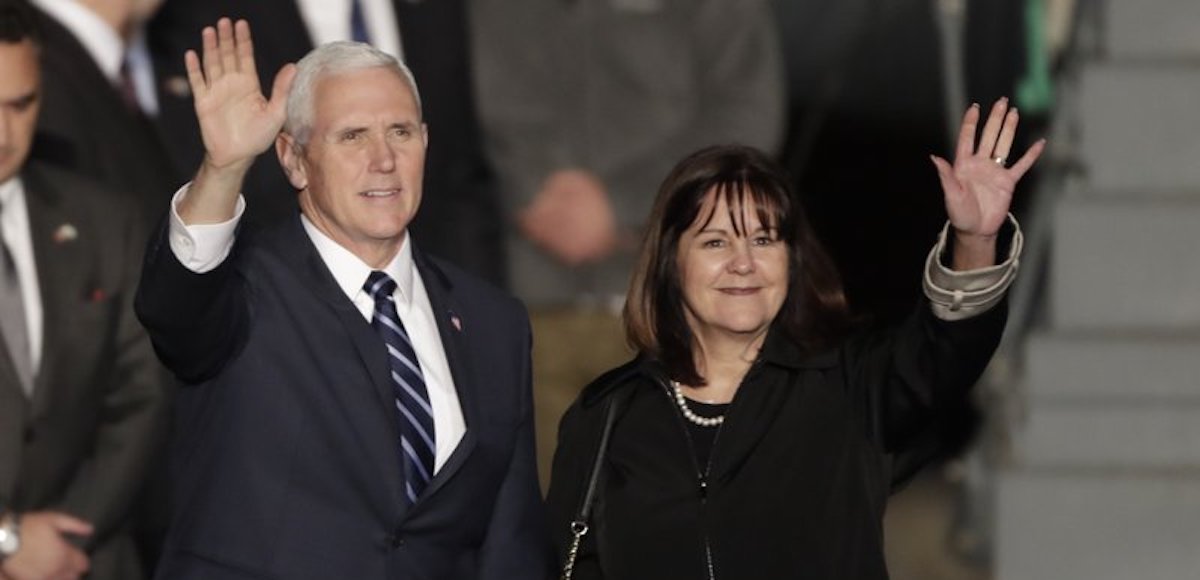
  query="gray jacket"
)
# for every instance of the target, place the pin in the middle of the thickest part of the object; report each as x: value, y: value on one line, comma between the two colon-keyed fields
x: 621, y: 88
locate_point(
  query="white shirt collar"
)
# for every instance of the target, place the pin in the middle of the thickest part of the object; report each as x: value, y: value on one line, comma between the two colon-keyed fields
x: 8, y: 191
x: 351, y: 273
x: 99, y: 39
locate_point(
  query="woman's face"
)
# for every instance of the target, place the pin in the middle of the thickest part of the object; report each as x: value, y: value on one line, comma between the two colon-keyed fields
x: 734, y: 280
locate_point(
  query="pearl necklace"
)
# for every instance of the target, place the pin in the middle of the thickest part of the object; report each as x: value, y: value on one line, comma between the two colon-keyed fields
x: 689, y: 414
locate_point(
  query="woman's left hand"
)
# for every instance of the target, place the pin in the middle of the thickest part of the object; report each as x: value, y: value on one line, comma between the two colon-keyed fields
x: 978, y: 187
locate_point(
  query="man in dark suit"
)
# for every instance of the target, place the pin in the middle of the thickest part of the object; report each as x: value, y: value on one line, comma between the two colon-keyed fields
x: 460, y: 222
x: 89, y: 122
x: 81, y: 399
x: 355, y: 408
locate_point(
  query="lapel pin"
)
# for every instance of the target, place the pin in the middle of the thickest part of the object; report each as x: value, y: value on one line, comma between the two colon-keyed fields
x: 98, y: 295
x: 65, y: 233
x: 456, y: 321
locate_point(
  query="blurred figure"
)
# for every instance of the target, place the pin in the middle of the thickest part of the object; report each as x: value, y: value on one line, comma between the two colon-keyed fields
x: 756, y: 435
x: 91, y: 121
x: 871, y: 76
x: 458, y: 219
x: 586, y: 105
x: 81, y: 395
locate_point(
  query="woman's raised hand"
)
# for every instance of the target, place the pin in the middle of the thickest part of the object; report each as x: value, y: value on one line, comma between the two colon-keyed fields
x: 978, y: 186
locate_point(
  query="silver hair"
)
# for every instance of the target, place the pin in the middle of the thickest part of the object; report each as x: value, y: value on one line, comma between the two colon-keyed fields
x: 333, y: 58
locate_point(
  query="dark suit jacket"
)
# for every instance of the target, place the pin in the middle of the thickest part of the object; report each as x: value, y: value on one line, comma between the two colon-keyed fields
x: 285, y: 462
x: 81, y: 445
x: 86, y: 127
x: 460, y: 214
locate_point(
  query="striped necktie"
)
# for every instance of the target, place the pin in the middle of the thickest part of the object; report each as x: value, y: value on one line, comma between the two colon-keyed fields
x: 413, y: 410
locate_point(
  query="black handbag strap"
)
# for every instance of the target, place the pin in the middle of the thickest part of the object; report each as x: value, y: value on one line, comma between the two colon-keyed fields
x: 580, y: 526
x: 589, y: 494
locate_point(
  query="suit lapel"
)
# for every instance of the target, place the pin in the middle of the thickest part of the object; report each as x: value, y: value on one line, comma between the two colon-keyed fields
x: 379, y: 431
x: 763, y: 395
x: 451, y: 330
x: 366, y: 345
x: 44, y: 211
x: 61, y: 262
x: 9, y: 381
x: 14, y: 407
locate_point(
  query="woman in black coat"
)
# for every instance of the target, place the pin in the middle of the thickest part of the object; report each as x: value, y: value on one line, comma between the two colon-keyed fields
x: 755, y: 436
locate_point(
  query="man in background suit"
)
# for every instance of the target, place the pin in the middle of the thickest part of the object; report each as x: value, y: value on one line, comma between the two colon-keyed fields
x: 81, y: 401
x: 354, y: 408
x: 586, y: 105
x: 90, y: 121
x: 460, y: 222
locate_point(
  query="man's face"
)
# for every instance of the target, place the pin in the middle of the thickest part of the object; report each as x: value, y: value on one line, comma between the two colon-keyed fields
x: 360, y: 173
x: 19, y: 82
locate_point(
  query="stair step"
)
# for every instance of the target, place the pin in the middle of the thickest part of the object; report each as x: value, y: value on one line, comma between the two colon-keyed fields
x: 1113, y: 366
x: 1140, y: 127
x: 1163, y: 29
x: 1150, y: 435
x: 1125, y: 264
x: 1070, y: 525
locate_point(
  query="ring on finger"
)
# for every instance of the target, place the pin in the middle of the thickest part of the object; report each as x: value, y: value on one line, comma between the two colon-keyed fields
x: 1000, y: 160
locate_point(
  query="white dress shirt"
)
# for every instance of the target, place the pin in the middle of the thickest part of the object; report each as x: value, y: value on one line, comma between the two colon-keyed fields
x: 14, y: 222
x: 329, y: 20
x: 201, y: 248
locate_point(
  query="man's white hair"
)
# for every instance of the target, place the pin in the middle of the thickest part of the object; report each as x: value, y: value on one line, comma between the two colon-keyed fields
x: 330, y: 59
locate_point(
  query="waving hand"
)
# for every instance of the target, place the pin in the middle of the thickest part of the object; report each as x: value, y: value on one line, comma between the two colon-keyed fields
x: 236, y: 121
x: 978, y: 186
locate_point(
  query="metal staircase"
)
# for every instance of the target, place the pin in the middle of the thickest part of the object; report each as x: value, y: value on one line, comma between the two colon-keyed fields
x: 1102, y: 476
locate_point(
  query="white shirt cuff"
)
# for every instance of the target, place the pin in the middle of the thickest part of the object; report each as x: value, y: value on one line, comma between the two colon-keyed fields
x: 958, y: 295
x: 202, y: 247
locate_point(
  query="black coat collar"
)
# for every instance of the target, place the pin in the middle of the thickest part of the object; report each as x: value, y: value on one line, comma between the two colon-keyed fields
x: 778, y: 349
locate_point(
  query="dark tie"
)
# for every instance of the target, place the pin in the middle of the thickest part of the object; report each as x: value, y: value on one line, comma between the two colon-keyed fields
x: 413, y: 411
x: 128, y: 88
x: 12, y: 316
x: 358, y: 23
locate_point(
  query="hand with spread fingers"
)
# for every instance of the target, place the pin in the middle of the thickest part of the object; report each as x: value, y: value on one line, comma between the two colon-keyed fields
x: 978, y: 186
x: 236, y: 121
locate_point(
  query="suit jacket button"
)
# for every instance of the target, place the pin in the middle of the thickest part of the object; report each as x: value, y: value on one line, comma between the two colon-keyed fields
x: 395, y: 540
x: 29, y: 435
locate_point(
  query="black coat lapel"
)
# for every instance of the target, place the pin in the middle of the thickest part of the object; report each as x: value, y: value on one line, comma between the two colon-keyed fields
x: 766, y: 387
x: 452, y: 329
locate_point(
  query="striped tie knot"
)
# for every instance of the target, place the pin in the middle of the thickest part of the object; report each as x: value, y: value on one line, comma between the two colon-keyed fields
x: 379, y: 286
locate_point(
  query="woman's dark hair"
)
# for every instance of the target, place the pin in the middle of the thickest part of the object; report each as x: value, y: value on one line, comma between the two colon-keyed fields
x: 815, y: 313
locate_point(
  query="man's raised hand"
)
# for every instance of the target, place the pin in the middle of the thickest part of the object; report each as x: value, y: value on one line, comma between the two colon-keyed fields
x: 237, y: 122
